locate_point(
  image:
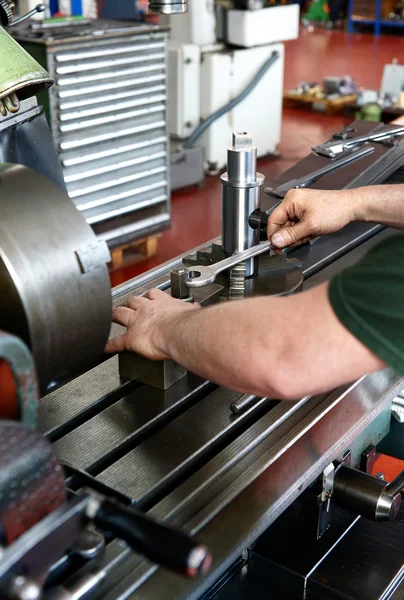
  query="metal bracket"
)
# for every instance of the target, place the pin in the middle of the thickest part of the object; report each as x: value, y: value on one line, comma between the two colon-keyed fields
x: 327, y: 489
x: 324, y: 499
x: 28, y: 110
x: 94, y: 256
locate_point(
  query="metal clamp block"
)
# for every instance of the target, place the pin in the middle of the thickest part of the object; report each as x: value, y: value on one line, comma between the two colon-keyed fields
x: 158, y: 374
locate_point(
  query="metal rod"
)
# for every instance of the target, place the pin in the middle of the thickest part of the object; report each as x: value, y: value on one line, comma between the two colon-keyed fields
x: 243, y: 404
x: 38, y: 9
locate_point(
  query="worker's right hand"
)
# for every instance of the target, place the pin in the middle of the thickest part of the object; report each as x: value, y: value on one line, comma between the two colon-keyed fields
x: 306, y: 214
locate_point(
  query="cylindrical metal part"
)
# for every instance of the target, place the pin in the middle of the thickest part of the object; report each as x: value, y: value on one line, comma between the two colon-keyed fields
x: 54, y: 282
x: 365, y: 495
x: 243, y: 404
x: 168, y: 7
x: 241, y: 187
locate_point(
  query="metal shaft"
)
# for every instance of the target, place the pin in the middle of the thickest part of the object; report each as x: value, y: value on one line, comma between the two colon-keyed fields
x: 365, y: 495
x: 240, y: 198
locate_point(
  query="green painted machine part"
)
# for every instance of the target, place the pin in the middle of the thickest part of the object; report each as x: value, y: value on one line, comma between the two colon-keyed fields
x: 20, y: 74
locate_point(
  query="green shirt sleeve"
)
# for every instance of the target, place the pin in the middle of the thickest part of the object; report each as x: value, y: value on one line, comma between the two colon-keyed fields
x: 368, y: 299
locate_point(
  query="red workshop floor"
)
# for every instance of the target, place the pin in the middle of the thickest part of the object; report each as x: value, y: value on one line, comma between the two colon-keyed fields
x: 196, y: 212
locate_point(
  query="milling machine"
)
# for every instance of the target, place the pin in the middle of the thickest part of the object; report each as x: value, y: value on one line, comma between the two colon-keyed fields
x: 135, y: 466
x: 150, y: 454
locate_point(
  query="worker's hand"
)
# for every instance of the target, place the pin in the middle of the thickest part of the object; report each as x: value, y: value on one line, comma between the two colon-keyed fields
x: 306, y: 214
x: 146, y: 318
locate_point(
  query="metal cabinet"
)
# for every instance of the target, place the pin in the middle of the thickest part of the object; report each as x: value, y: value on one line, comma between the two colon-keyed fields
x: 108, y: 116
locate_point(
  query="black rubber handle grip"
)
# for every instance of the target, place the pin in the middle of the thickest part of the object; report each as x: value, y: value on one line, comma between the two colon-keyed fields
x: 158, y: 542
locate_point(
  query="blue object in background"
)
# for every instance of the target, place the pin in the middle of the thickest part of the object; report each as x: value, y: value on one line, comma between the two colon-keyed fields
x: 377, y: 23
x: 77, y: 8
x: 120, y: 9
x: 53, y: 6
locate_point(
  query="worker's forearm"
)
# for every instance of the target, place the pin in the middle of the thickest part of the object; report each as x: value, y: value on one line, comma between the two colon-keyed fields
x: 268, y: 346
x: 225, y: 343
x: 382, y: 204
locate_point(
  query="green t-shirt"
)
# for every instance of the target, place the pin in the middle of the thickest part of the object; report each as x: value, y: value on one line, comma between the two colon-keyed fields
x: 368, y: 299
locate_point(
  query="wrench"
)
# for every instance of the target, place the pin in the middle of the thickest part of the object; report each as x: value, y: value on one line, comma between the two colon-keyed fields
x: 202, y: 275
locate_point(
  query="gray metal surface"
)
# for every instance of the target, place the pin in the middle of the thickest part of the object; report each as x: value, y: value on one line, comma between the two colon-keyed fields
x: 229, y: 518
x: 57, y: 302
x: 186, y: 458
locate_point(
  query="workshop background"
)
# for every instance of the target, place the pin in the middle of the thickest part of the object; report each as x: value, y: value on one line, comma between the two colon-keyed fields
x: 337, y: 59
x: 263, y: 498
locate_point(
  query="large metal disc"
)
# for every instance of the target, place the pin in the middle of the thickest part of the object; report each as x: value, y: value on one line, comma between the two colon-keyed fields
x: 54, y: 285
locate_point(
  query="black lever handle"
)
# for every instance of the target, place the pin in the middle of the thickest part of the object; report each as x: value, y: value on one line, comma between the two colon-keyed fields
x: 160, y: 543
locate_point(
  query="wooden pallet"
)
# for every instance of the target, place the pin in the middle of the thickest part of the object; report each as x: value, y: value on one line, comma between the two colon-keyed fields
x: 134, y: 252
x: 291, y: 100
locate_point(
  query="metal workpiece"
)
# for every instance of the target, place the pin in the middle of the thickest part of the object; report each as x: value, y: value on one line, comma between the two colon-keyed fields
x: 369, y: 496
x: 179, y: 288
x: 241, y: 188
x: 242, y: 160
x: 168, y: 7
x: 158, y: 374
x: 56, y: 293
x: 237, y: 281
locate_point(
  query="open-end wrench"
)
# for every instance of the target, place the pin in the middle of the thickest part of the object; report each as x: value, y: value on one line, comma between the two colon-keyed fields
x: 202, y: 275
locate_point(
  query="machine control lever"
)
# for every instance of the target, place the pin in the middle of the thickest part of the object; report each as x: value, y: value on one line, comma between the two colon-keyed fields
x: 6, y: 13
x: 201, y: 275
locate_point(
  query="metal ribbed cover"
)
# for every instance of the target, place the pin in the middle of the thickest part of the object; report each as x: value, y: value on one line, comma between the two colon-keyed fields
x: 108, y: 114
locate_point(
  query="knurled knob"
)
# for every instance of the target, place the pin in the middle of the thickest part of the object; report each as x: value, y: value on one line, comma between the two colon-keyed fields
x: 6, y: 14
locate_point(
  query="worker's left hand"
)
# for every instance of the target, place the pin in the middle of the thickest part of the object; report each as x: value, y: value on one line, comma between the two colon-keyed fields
x: 147, y: 319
